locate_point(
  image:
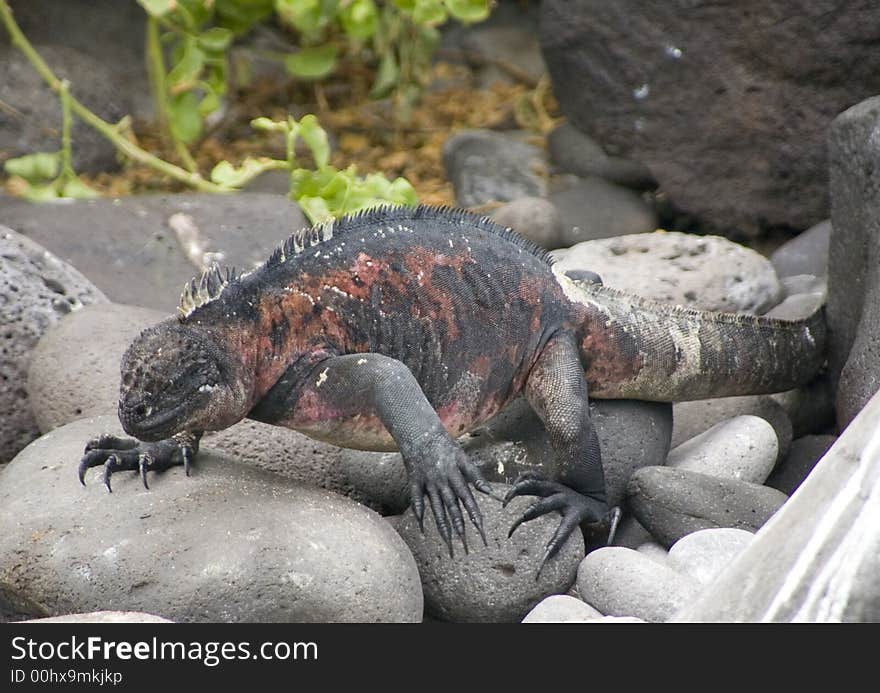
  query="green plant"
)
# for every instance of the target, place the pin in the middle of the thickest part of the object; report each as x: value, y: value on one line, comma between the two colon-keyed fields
x: 322, y: 192
x: 50, y: 175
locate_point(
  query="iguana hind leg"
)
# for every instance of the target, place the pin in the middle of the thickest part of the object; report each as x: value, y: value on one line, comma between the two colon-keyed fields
x: 557, y: 390
x: 128, y: 454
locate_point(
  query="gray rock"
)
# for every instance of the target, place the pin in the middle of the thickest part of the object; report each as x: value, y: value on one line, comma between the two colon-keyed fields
x: 494, y: 583
x: 654, y: 551
x: 594, y: 208
x: 103, y: 617
x: 571, y: 151
x: 806, y: 253
x: 804, y: 454
x: 706, y: 272
x: 31, y: 120
x: 631, y: 435
x: 377, y: 479
x: 501, y: 48
x: 692, y: 418
x: 486, y: 166
x: 744, y: 447
x: 623, y: 582
x: 700, y: 93
x: 853, y: 310
x: 74, y: 368
x: 818, y: 559
x: 810, y: 408
x: 631, y: 534
x: 128, y: 249
x: 560, y: 608
x: 671, y: 503
x: 803, y: 284
x: 797, y: 306
x: 36, y: 290
x: 534, y: 218
x: 704, y: 554
x: 229, y: 543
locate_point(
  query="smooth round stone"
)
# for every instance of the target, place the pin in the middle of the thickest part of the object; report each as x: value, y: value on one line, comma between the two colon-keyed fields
x: 534, y: 218
x: 704, y: 554
x: 103, y: 617
x: 705, y: 272
x: 744, y: 447
x: 622, y: 582
x: 804, y: 454
x: 494, y: 583
x: 654, y: 551
x: 37, y: 289
x: 561, y: 608
x: 230, y: 543
x: 692, y: 418
x: 797, y: 306
x: 671, y: 503
x: 810, y: 408
x: 593, y: 208
x: 806, y: 253
x: 631, y: 534
x: 486, y: 166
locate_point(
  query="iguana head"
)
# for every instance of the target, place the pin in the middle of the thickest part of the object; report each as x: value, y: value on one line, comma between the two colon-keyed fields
x: 177, y: 378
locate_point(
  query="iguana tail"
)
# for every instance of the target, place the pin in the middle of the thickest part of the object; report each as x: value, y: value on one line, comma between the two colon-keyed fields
x: 635, y: 348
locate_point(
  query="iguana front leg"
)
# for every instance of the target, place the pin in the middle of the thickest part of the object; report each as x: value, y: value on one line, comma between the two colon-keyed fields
x: 346, y: 392
x: 120, y: 454
x: 557, y: 390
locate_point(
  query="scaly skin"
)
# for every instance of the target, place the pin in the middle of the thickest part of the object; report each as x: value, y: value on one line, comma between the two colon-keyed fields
x: 403, y: 329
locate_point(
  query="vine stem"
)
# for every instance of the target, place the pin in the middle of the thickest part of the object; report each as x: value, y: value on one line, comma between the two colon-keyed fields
x: 125, y: 146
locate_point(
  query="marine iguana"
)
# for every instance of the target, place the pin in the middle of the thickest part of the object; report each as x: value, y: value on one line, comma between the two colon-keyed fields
x: 403, y: 328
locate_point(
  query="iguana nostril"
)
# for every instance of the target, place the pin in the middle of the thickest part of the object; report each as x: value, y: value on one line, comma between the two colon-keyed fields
x: 140, y: 410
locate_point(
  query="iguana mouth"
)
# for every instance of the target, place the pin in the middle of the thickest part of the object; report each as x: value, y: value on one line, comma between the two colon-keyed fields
x: 139, y: 420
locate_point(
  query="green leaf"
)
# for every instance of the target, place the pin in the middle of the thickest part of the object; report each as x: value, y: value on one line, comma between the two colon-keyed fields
x: 158, y: 8
x: 315, y: 208
x: 229, y: 176
x: 430, y: 12
x: 41, y: 193
x: 315, y: 138
x: 312, y: 63
x: 406, y: 5
x: 210, y: 102
x: 35, y: 168
x: 387, y: 76
x: 76, y: 189
x: 185, y: 119
x: 241, y: 15
x: 269, y: 125
x: 215, y: 40
x: 186, y: 71
x: 359, y: 19
x: 310, y: 17
x: 468, y: 11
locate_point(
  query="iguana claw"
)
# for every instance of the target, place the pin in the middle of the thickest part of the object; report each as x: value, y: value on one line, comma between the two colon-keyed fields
x: 128, y: 454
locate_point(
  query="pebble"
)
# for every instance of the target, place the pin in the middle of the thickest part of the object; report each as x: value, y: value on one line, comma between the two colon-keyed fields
x: 705, y: 272
x: 103, y: 617
x: 744, y: 447
x: 560, y: 608
x: 37, y: 289
x: 692, y: 418
x: 593, y: 208
x: 534, y: 218
x: 622, y: 582
x: 230, y: 543
x: 702, y: 555
x: 671, y: 503
x: 654, y: 551
x: 494, y: 583
x: 486, y: 166
x: 572, y: 151
x: 806, y: 253
x: 804, y: 454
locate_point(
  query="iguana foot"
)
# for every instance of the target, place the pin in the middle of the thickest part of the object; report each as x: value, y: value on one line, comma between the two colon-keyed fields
x: 444, y: 478
x: 128, y: 454
x: 574, y: 507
